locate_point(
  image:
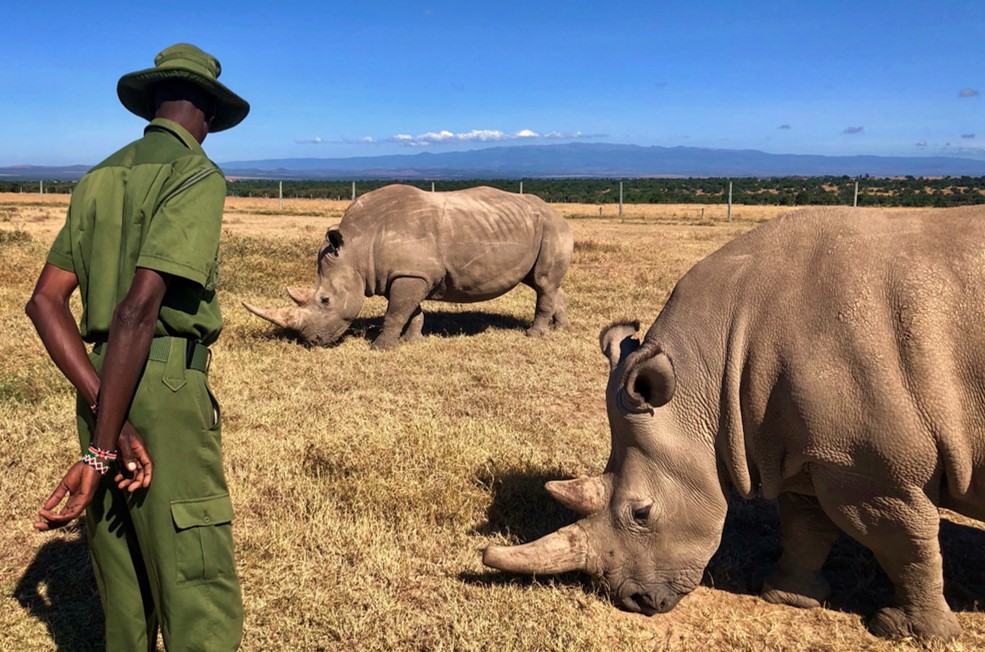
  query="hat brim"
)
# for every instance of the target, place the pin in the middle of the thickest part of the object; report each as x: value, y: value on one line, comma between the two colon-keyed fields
x: 135, y: 92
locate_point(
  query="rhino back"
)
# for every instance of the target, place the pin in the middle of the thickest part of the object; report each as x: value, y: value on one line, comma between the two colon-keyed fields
x: 850, y: 338
x: 470, y: 244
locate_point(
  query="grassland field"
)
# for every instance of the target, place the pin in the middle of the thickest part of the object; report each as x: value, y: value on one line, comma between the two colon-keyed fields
x: 366, y: 484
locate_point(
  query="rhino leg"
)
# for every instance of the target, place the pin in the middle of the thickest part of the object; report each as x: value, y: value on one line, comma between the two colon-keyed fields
x: 808, y: 535
x: 900, y: 525
x: 560, y: 318
x: 403, y: 303
x: 545, y: 278
x: 546, y: 300
x: 413, y: 331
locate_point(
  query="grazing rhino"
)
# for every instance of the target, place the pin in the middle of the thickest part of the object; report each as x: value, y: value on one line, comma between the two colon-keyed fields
x: 833, y: 360
x: 410, y: 245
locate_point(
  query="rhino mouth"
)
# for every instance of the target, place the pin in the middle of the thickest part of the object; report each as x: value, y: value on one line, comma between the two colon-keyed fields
x: 654, y: 602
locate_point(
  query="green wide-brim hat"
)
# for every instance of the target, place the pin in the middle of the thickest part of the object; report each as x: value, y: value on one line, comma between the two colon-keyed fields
x: 182, y: 61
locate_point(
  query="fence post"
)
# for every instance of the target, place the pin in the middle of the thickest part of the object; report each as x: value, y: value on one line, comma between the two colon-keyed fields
x: 855, y: 201
x: 353, y: 191
x: 730, y: 200
x: 280, y: 193
x: 620, y: 200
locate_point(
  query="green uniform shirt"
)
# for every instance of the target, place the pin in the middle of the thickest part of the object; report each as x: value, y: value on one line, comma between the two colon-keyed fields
x: 157, y: 203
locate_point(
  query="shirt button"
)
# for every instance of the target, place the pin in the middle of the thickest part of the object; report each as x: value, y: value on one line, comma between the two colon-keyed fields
x: 207, y: 519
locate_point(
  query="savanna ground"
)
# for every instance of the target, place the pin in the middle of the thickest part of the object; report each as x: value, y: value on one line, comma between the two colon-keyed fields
x: 366, y: 484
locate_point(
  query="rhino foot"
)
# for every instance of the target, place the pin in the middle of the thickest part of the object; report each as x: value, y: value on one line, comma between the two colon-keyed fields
x: 537, y: 331
x: 385, y: 344
x: 893, y: 622
x: 804, y: 590
x: 412, y: 338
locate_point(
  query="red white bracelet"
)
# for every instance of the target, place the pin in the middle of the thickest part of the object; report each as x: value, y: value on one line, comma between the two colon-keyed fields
x: 99, y: 459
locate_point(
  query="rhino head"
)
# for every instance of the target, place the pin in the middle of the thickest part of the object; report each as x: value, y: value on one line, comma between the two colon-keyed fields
x: 653, y: 519
x: 325, y: 311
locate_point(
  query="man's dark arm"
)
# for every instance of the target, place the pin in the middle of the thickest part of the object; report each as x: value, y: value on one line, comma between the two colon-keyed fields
x: 133, y: 326
x: 130, y: 335
x: 48, y: 309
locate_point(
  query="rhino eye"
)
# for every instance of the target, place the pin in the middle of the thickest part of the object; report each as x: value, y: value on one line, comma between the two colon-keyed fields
x: 642, y: 514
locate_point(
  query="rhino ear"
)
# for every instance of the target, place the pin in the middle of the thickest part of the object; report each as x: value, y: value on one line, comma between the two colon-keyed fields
x: 651, y: 382
x: 334, y: 238
x: 617, y: 341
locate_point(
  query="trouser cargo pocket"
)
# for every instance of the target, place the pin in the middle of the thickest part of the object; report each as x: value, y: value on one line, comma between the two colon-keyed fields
x: 203, y: 538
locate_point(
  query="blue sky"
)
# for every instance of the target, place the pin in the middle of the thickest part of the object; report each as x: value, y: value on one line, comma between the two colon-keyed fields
x: 334, y: 79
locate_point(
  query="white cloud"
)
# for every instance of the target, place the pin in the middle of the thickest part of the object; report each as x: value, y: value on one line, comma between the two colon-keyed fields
x: 436, y: 136
x: 967, y: 92
x: 474, y: 136
x: 317, y: 140
x: 481, y: 135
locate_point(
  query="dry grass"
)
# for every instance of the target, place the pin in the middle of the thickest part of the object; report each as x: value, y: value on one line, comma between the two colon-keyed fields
x: 367, y: 484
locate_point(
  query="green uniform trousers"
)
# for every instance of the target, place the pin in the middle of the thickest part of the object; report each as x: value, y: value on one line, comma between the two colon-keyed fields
x: 163, y: 557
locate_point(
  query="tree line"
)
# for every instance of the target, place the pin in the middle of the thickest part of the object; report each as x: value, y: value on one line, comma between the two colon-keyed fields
x: 782, y: 191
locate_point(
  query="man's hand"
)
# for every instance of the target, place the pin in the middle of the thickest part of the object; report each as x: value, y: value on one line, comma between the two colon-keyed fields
x: 134, y: 465
x: 80, y: 483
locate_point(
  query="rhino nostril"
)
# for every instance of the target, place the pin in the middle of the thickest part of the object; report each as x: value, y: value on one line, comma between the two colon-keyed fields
x: 629, y: 603
x: 639, y: 603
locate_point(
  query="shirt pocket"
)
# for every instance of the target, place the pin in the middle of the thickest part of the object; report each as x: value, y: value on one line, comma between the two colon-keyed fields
x: 203, y: 538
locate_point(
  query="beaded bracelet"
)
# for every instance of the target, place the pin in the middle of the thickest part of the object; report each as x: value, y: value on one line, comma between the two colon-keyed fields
x: 99, y: 459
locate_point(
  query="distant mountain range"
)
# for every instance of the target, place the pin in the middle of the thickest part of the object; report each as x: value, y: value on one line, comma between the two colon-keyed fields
x: 569, y: 160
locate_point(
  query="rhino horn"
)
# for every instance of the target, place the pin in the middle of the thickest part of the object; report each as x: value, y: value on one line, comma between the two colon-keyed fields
x: 584, y: 495
x: 560, y: 552
x: 289, y: 318
x: 300, y: 296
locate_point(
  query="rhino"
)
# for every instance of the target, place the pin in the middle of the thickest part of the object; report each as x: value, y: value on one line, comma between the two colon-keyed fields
x: 410, y: 245
x: 832, y: 360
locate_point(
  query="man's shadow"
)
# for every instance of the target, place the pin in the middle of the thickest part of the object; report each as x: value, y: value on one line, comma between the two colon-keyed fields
x: 749, y: 549
x: 58, y: 588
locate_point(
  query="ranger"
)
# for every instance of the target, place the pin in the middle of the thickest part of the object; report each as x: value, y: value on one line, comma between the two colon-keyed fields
x: 141, y: 244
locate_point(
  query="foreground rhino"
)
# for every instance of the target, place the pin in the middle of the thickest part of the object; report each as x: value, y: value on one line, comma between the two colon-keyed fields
x: 409, y: 245
x: 833, y: 360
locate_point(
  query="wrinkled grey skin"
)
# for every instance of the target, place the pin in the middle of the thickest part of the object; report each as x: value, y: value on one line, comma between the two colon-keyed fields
x: 410, y: 245
x: 833, y: 360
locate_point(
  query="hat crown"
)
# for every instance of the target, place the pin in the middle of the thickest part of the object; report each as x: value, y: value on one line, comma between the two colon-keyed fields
x: 188, y: 57
x: 182, y: 61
